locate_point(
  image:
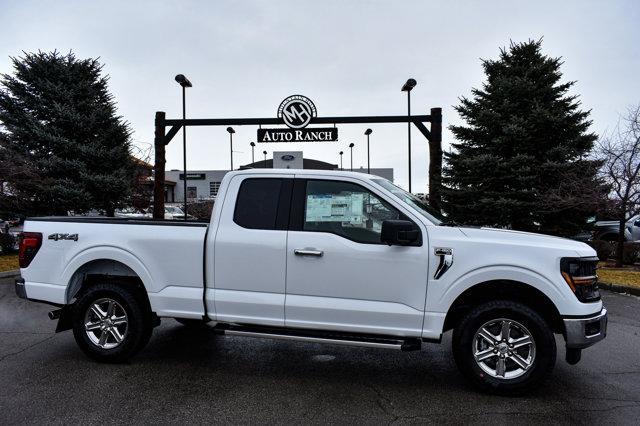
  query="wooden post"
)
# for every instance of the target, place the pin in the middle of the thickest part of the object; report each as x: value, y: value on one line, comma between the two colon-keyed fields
x: 160, y: 161
x: 435, y: 160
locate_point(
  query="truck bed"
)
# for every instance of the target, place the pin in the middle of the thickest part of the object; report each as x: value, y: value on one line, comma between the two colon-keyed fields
x: 167, y: 255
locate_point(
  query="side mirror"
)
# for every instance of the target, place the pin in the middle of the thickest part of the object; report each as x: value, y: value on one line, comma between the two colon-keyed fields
x: 399, y: 233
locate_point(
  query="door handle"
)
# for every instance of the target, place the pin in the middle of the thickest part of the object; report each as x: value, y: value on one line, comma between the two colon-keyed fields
x: 308, y: 252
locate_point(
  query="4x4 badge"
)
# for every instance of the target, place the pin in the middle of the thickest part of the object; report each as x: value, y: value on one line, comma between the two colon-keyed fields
x: 56, y: 237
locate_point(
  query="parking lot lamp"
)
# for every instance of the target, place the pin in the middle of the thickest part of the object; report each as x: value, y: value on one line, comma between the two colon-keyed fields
x: 368, y: 132
x: 231, y: 132
x: 253, y: 147
x: 351, y: 146
x: 341, y: 152
x: 184, y: 82
x: 408, y: 86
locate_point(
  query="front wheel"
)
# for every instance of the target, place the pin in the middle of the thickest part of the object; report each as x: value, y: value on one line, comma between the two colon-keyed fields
x: 110, y: 323
x: 504, y: 347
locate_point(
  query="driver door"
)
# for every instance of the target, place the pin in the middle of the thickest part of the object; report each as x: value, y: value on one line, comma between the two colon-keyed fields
x: 339, y: 274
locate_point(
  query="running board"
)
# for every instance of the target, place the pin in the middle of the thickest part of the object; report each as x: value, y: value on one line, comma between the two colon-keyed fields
x: 311, y: 336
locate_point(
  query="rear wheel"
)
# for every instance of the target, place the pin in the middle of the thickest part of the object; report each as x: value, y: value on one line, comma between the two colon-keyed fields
x: 504, y: 347
x: 110, y: 322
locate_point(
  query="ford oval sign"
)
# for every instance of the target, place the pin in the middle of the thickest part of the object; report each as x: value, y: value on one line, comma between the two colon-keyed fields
x: 288, y: 157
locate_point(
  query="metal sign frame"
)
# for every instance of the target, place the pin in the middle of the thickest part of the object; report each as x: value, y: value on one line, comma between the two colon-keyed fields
x: 433, y: 134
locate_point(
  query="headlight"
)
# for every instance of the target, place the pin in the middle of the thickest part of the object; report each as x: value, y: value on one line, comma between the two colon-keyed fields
x: 580, y: 274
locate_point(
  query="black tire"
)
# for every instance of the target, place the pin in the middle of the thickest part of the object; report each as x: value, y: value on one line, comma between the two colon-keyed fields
x: 464, y: 344
x: 136, y: 333
x: 192, y: 323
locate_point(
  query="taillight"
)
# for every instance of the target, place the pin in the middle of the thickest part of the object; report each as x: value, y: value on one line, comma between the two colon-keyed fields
x: 580, y: 275
x: 30, y: 243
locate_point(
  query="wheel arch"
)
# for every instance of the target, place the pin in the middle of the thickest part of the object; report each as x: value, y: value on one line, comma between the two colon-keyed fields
x: 508, y: 290
x: 102, y: 263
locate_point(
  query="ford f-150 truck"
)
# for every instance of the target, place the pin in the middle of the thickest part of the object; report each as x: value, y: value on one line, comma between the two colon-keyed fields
x: 321, y: 256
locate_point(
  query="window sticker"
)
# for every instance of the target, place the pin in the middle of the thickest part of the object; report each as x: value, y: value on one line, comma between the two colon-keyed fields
x: 343, y: 207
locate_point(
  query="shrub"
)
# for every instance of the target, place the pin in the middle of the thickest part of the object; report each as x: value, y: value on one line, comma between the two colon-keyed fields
x: 630, y: 253
x: 604, y: 249
x: 7, y: 242
x: 201, y: 209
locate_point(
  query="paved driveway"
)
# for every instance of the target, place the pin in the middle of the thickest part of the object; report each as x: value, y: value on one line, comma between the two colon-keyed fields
x: 196, y: 376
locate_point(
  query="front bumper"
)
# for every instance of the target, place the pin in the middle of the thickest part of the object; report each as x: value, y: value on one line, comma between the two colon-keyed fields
x: 581, y: 333
x: 20, y: 289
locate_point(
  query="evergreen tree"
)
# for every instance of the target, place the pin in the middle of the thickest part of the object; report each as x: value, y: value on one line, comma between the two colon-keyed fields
x: 61, y: 143
x: 521, y: 160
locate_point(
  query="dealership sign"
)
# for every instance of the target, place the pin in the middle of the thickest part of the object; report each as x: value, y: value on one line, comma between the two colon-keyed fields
x: 297, y: 111
x: 193, y: 176
x: 328, y: 134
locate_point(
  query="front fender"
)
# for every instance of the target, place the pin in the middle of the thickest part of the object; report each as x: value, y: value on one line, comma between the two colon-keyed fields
x: 561, y: 297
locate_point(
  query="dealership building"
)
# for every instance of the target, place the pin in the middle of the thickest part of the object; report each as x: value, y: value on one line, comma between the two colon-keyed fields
x: 204, y: 184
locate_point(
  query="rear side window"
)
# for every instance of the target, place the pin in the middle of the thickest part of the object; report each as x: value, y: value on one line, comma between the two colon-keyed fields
x: 257, y: 203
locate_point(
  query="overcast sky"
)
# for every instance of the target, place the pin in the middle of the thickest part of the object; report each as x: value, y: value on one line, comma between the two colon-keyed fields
x: 349, y: 57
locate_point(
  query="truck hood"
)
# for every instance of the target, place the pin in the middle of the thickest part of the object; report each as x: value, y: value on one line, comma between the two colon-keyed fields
x: 528, y: 239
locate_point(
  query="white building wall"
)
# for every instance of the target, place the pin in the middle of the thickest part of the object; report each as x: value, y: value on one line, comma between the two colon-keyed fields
x: 385, y: 172
x: 205, y: 189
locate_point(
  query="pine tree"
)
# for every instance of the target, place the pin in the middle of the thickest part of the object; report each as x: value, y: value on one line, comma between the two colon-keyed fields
x: 61, y: 143
x: 522, y: 159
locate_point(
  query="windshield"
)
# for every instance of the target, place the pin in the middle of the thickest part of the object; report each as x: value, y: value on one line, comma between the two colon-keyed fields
x: 427, y: 211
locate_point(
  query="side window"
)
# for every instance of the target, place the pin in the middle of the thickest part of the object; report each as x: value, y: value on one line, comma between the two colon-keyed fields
x: 257, y: 203
x: 345, y: 209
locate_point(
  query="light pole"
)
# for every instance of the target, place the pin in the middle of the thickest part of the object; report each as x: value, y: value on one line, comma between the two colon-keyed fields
x: 265, y: 159
x: 253, y: 147
x: 231, y: 132
x: 351, y: 146
x: 184, y: 82
x: 410, y: 84
x: 341, y: 152
x: 368, y: 132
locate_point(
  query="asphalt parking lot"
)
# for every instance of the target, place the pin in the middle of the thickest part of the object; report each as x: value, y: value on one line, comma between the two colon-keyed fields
x: 196, y: 376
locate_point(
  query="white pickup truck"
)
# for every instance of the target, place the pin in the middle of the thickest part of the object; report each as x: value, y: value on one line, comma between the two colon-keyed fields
x: 321, y: 256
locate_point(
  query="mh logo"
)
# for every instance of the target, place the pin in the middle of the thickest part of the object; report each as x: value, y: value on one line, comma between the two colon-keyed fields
x: 297, y: 111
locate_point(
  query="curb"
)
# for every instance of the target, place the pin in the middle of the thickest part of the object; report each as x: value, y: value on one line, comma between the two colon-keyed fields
x: 619, y: 288
x: 10, y: 274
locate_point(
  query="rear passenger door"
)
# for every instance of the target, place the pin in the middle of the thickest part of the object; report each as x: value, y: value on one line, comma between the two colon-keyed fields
x: 250, y: 250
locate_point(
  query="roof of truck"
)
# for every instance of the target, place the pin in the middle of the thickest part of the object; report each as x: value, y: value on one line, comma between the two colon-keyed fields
x: 306, y: 172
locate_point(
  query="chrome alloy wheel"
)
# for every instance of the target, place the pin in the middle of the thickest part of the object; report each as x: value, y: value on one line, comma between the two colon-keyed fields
x: 504, y: 348
x: 106, y: 323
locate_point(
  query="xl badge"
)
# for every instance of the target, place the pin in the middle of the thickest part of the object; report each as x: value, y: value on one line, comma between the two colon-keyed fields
x: 57, y: 237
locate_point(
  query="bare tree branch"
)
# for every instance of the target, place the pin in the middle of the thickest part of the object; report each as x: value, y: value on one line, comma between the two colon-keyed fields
x: 620, y: 152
